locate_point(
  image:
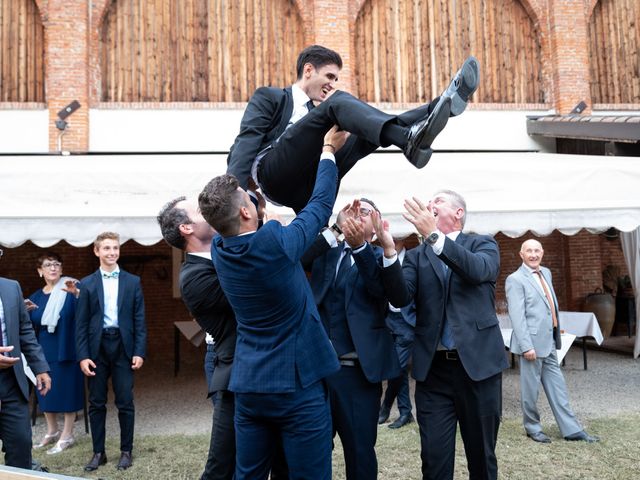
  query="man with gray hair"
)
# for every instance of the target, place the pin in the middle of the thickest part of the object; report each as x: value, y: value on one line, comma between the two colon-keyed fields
x: 458, y: 353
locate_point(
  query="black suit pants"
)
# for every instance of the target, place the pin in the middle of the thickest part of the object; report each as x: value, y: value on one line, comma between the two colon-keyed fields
x: 447, y: 396
x: 287, y: 172
x: 111, y: 362
x: 15, y: 429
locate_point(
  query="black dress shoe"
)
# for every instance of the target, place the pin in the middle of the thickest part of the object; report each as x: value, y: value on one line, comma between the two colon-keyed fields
x: 422, y: 134
x: 383, y: 415
x: 464, y: 83
x: 97, y: 460
x: 582, y: 436
x: 401, y: 421
x: 125, y: 461
x: 540, y: 437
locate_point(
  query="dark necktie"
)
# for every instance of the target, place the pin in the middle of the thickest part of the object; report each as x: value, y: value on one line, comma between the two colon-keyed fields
x: 552, y: 304
x: 310, y: 105
x: 447, y: 335
x: 1, y: 334
x: 345, y: 263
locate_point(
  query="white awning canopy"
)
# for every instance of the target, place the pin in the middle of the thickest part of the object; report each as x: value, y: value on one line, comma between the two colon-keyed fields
x: 46, y: 199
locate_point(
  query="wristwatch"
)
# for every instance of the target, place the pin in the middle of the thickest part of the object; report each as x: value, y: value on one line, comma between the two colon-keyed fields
x: 432, y: 238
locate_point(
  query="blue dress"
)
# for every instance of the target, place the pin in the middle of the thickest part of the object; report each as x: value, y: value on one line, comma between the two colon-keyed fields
x: 67, y: 380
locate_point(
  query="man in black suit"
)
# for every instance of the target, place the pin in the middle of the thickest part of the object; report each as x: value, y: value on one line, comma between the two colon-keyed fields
x: 458, y: 353
x: 183, y: 227
x: 351, y: 299
x: 111, y: 338
x: 281, y: 133
x: 17, y: 337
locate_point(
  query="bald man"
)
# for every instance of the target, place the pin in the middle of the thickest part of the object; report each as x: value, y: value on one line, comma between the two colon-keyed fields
x: 533, y: 310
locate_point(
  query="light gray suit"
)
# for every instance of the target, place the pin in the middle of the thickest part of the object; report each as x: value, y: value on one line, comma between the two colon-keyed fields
x: 532, y: 323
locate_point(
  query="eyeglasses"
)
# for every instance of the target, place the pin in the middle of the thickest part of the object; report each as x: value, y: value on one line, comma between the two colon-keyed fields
x: 364, y: 211
x: 51, y: 265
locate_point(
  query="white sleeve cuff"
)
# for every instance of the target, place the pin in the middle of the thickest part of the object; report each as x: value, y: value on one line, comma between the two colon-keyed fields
x: 439, y: 245
x: 330, y: 238
x: 387, y: 262
x: 328, y: 156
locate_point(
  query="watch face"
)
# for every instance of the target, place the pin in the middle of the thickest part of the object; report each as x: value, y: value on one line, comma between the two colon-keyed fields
x: 433, y: 238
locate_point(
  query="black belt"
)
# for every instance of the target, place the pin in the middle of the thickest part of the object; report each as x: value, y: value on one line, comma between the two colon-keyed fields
x: 111, y: 331
x: 451, y: 355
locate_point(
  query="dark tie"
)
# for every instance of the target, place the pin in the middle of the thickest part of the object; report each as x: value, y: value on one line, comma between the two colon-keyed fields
x: 345, y: 263
x: 552, y: 304
x: 1, y: 334
x: 310, y: 105
x: 447, y: 335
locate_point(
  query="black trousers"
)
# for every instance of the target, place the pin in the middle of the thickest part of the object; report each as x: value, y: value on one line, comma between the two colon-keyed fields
x: 287, y: 172
x: 354, y: 410
x: 15, y: 429
x: 448, y: 396
x: 111, y: 362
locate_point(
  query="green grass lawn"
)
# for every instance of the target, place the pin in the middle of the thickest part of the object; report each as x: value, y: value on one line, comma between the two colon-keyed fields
x: 616, y: 457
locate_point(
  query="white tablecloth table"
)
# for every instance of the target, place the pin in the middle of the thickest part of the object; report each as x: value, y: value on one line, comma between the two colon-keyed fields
x: 579, y: 324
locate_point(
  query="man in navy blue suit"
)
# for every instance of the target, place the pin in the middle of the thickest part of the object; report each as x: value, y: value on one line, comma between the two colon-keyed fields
x: 282, y: 351
x: 352, y: 302
x: 458, y: 351
x: 111, y: 338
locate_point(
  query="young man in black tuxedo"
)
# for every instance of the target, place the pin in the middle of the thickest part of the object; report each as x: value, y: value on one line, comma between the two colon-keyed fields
x: 281, y: 133
x: 111, y: 338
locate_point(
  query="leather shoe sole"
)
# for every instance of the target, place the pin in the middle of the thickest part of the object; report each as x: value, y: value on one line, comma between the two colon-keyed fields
x: 422, y: 134
x: 539, y: 437
x: 464, y: 84
x: 97, y: 460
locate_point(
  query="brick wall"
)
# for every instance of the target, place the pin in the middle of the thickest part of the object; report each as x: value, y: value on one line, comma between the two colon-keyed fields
x: 72, y: 49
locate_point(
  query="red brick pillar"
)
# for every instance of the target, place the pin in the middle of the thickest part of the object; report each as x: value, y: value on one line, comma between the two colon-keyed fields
x: 66, y: 59
x: 569, y: 54
x: 332, y: 30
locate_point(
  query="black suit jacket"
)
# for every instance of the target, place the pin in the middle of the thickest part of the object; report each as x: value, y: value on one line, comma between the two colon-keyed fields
x: 265, y: 119
x: 467, y: 295
x: 20, y: 334
x: 365, y: 305
x: 203, y: 296
x: 90, y: 316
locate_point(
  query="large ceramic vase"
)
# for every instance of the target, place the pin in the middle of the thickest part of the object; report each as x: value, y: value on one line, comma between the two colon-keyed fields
x: 603, y: 306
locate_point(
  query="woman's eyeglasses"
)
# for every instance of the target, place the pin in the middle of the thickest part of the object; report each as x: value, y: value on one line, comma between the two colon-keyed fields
x: 51, y: 265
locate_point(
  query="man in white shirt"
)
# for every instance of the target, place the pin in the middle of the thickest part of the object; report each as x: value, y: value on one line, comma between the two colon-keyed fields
x: 281, y: 133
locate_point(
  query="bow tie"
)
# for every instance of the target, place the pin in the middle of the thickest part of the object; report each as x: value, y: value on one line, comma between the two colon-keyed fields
x: 115, y: 275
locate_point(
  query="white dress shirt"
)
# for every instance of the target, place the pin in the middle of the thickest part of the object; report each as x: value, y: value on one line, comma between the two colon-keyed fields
x: 110, y: 287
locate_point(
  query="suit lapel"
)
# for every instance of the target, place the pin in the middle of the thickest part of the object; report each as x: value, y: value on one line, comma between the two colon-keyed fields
x: 436, y: 263
x: 100, y: 289
x: 536, y: 286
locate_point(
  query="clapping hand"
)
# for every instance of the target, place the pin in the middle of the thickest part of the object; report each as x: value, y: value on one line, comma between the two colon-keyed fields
x: 420, y: 215
x: 381, y: 227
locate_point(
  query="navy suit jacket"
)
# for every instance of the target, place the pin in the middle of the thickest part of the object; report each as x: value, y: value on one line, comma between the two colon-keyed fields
x: 265, y: 119
x: 203, y: 296
x: 90, y: 316
x: 20, y: 334
x: 466, y: 294
x: 281, y: 342
x: 365, y: 307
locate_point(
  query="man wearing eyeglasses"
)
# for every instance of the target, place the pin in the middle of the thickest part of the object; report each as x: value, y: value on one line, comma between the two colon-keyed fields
x: 16, y: 338
x: 352, y: 302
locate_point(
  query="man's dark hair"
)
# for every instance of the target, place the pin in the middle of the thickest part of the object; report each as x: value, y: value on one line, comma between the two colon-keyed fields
x: 370, y: 202
x: 318, y: 56
x: 170, y: 218
x: 219, y: 204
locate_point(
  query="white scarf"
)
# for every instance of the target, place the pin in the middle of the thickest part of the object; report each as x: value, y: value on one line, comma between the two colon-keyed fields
x: 51, y: 313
